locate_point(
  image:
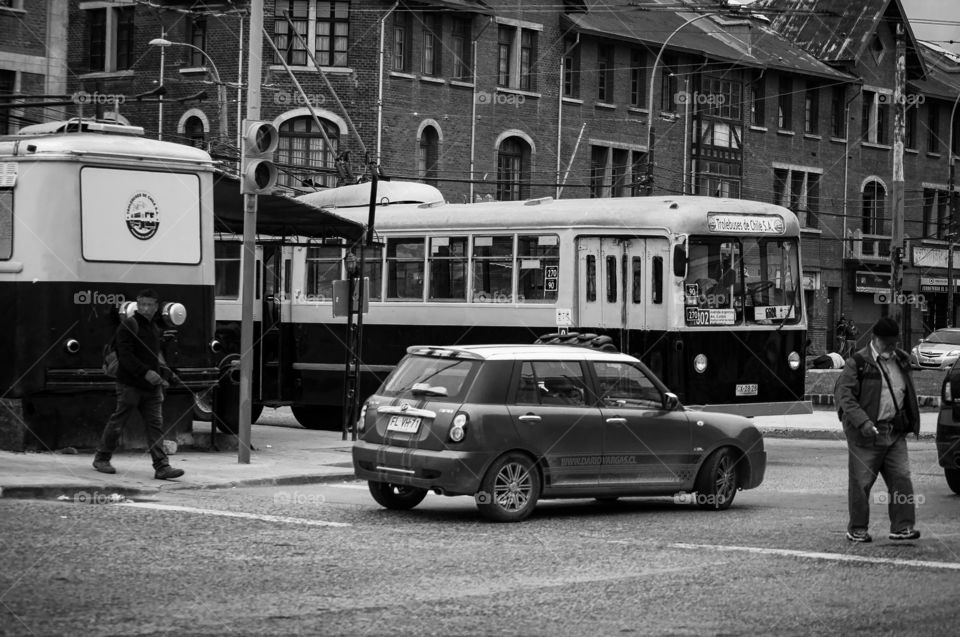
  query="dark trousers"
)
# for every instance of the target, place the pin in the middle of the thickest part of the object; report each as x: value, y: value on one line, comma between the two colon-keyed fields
x: 150, y: 405
x: 888, y: 458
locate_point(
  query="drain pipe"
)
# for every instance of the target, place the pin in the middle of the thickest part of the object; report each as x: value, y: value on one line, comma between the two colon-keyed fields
x: 563, y: 59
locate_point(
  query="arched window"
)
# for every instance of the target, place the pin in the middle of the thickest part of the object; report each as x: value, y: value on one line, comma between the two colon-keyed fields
x: 428, y: 155
x: 874, y: 197
x: 513, y: 170
x: 194, y: 132
x: 303, y: 151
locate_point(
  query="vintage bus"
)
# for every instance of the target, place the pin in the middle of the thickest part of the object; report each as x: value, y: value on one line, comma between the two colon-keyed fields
x: 90, y: 213
x: 706, y: 291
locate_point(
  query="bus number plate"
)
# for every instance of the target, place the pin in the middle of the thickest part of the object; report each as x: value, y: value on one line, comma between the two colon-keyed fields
x: 748, y: 389
x: 404, y: 424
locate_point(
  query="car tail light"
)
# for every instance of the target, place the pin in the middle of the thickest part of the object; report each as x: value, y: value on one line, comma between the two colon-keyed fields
x: 362, y: 419
x: 458, y: 427
x: 946, y: 392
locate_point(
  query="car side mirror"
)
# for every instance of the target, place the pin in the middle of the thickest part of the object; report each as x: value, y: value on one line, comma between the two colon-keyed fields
x: 670, y: 401
x: 922, y: 340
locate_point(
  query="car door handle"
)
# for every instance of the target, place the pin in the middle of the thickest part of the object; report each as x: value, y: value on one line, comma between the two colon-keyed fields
x: 530, y: 418
x: 616, y: 421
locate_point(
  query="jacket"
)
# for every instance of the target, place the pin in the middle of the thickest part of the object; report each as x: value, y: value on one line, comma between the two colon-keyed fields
x: 860, y: 401
x: 138, y: 351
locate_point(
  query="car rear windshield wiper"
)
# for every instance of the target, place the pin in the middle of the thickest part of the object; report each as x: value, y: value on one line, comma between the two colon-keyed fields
x: 423, y: 389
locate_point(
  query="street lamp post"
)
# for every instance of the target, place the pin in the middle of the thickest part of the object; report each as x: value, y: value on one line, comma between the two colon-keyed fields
x: 951, y: 229
x: 214, y: 73
x: 653, y: 76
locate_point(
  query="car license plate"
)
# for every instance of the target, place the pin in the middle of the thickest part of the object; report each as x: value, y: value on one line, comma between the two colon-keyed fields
x: 748, y: 389
x: 404, y: 424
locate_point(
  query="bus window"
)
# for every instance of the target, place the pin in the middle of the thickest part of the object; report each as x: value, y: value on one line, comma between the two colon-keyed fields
x: 405, y: 269
x: 538, y: 256
x: 493, y: 269
x: 227, y: 269
x: 591, y: 278
x: 323, y: 268
x: 713, y: 279
x: 448, y: 268
x: 772, y: 275
x: 611, y: 270
x: 637, y: 267
x: 6, y: 224
x: 373, y: 270
x: 657, y: 285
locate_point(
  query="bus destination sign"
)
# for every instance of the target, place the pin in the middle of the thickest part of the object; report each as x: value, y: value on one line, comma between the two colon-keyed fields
x: 700, y: 316
x: 756, y: 224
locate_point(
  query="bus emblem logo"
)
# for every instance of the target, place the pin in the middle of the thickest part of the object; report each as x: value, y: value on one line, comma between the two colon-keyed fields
x: 143, y: 216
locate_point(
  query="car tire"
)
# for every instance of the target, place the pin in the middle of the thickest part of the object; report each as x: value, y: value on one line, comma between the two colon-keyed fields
x: 953, y: 479
x: 717, y: 481
x: 396, y: 496
x: 510, y: 489
x: 318, y: 417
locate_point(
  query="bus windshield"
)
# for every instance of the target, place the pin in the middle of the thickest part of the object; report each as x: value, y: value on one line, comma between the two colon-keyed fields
x: 752, y: 280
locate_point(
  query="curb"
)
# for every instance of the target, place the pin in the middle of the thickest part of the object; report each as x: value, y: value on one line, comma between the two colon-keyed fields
x: 824, y: 434
x: 48, y: 491
x: 926, y: 402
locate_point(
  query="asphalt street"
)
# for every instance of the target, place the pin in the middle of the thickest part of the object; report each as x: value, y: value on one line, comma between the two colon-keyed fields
x: 326, y: 559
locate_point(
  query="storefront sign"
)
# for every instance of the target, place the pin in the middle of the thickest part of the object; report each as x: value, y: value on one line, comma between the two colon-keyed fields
x: 927, y: 257
x: 811, y: 280
x: 872, y: 282
x: 936, y: 284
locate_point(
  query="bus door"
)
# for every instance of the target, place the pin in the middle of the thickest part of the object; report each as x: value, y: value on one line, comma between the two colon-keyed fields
x: 275, y: 320
x: 621, y: 284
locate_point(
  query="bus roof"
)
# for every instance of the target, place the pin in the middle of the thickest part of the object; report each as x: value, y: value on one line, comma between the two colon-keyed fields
x: 682, y: 214
x: 77, y: 145
x: 388, y: 193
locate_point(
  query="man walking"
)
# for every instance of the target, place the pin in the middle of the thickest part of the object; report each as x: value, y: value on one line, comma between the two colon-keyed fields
x: 139, y: 388
x: 878, y: 403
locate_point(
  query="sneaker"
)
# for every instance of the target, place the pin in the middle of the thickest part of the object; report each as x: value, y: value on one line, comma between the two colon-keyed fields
x: 908, y: 533
x: 167, y: 473
x: 860, y: 535
x: 103, y: 466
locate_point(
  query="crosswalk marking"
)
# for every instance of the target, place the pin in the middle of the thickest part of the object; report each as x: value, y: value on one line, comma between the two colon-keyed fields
x: 816, y: 555
x: 233, y: 514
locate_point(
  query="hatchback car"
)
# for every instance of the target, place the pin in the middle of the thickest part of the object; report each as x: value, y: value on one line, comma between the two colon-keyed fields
x: 513, y: 424
x: 948, y: 428
x: 939, y: 350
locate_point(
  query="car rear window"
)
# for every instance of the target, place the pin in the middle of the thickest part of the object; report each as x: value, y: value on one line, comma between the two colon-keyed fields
x: 428, y: 376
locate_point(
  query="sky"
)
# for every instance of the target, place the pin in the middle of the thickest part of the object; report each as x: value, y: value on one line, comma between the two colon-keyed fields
x: 946, y: 12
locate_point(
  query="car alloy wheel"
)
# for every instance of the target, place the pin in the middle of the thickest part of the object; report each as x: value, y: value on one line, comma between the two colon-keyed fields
x: 717, y: 481
x: 510, y: 489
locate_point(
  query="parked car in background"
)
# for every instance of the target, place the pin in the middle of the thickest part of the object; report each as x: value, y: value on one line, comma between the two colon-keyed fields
x: 513, y: 424
x: 948, y: 428
x: 939, y: 350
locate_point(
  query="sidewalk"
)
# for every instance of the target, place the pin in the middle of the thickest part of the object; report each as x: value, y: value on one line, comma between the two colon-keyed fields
x: 283, y: 453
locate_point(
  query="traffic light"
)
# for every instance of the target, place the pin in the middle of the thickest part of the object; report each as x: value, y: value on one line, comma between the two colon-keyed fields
x: 259, y: 173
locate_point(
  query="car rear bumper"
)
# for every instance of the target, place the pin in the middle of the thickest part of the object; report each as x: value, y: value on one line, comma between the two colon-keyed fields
x: 450, y: 472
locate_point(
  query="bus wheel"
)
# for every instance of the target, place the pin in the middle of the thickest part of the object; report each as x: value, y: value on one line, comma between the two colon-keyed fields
x: 317, y: 417
x: 953, y: 479
x: 396, y: 496
x: 717, y: 482
x: 227, y: 414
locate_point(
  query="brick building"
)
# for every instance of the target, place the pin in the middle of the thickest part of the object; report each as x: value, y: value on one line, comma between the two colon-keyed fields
x: 515, y: 100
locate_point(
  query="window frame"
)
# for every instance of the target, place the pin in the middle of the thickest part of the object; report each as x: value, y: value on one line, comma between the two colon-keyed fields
x: 332, y: 28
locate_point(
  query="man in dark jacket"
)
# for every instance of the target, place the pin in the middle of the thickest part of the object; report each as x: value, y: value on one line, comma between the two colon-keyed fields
x: 139, y: 387
x: 879, y: 406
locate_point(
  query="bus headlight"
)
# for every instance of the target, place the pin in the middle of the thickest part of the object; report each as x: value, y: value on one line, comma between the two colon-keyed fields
x: 174, y: 314
x: 127, y: 309
x: 700, y: 363
x: 458, y: 427
x: 793, y: 360
x: 71, y: 345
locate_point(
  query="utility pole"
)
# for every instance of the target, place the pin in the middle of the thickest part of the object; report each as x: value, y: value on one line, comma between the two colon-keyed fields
x: 896, y: 248
x: 951, y: 221
x: 255, y: 48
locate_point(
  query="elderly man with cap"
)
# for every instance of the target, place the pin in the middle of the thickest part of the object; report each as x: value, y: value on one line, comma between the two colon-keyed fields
x: 878, y: 405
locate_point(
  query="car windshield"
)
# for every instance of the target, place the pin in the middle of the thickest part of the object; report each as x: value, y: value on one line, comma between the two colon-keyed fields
x: 422, y: 376
x: 948, y: 338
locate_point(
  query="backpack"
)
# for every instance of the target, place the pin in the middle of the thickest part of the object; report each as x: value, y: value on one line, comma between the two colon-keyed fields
x: 111, y: 360
x: 861, y: 364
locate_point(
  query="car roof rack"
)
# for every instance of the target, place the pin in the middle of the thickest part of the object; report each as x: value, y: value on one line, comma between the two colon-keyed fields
x: 588, y: 340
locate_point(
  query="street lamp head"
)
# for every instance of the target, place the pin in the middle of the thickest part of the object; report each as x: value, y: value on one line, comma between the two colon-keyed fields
x: 160, y: 42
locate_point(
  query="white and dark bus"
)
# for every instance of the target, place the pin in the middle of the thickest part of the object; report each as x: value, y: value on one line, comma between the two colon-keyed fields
x: 90, y: 213
x: 705, y: 291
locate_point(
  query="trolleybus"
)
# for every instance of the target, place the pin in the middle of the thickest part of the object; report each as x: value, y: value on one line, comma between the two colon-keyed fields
x: 90, y: 213
x: 706, y: 291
